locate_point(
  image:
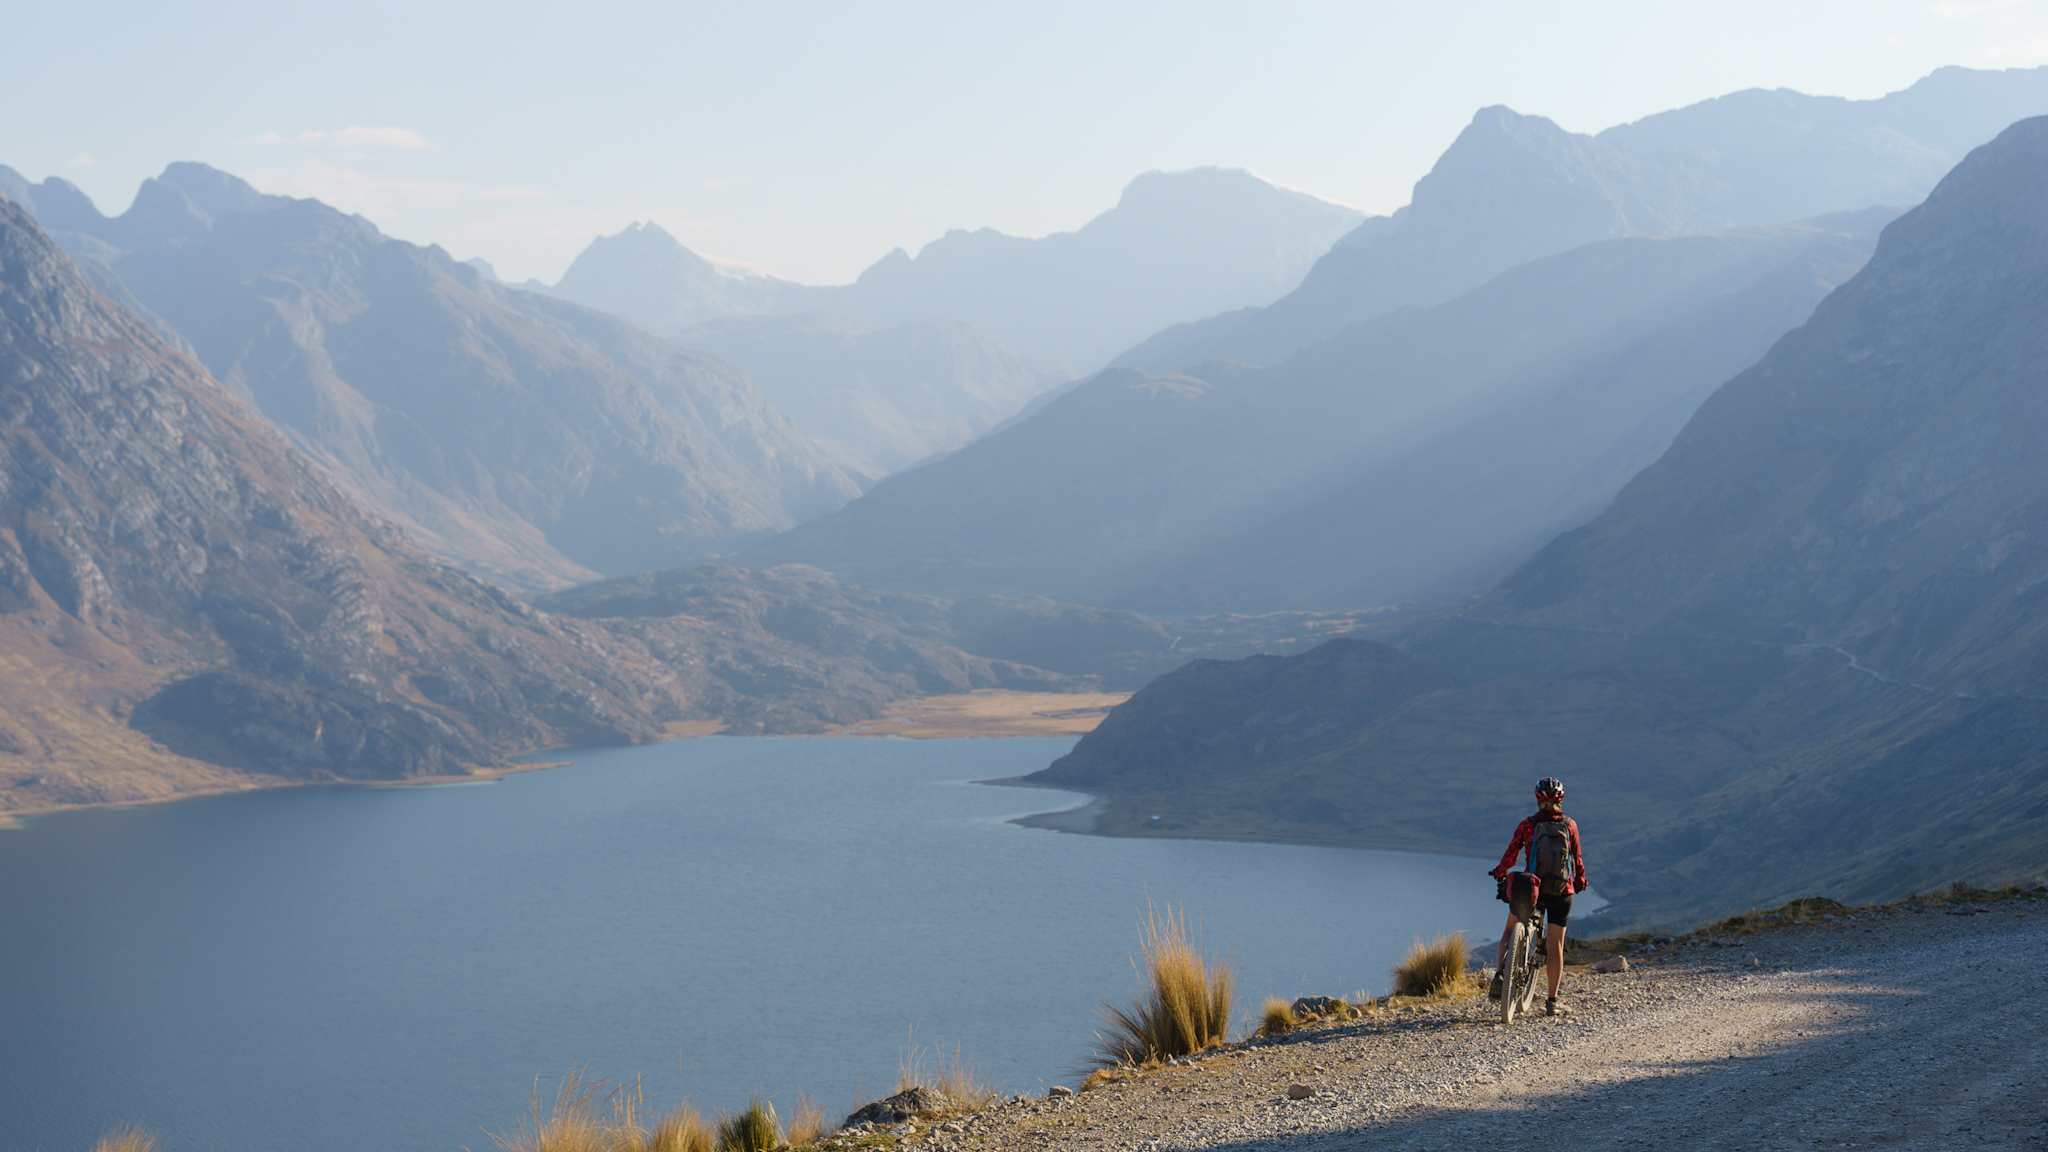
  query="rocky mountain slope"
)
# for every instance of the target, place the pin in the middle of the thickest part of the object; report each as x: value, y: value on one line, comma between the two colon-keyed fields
x: 1177, y: 245
x: 184, y: 599
x: 1803, y: 649
x: 188, y: 604
x: 531, y: 439
x: 879, y: 400
x: 1512, y: 188
x: 1418, y: 456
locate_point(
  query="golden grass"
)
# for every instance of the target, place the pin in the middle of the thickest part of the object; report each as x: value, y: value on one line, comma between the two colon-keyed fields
x: 1185, y: 1008
x: 806, y: 1123
x: 126, y: 1140
x: 1437, y: 968
x: 754, y: 1129
x: 682, y: 1130
x: 597, y: 1116
x: 1277, y: 1017
x: 948, y: 1075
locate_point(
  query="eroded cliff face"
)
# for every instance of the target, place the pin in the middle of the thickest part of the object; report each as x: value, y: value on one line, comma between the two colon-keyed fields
x: 185, y: 600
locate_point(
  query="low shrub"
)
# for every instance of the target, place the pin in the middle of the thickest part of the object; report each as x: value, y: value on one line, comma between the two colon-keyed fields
x: 1185, y: 1007
x: 126, y: 1140
x: 753, y: 1130
x: 1436, y: 968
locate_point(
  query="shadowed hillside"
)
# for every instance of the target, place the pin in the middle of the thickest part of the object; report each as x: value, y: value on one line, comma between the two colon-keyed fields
x: 1802, y: 649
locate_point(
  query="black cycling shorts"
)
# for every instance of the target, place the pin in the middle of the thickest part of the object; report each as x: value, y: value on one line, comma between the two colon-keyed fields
x: 1559, y: 907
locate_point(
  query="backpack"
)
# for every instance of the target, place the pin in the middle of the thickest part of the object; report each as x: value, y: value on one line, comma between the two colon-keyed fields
x: 1550, y: 856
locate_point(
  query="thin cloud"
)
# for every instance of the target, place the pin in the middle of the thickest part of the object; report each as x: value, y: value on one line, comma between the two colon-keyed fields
x: 354, y: 136
x: 82, y: 159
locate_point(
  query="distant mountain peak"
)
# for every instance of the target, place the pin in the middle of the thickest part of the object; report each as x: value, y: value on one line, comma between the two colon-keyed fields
x: 218, y: 193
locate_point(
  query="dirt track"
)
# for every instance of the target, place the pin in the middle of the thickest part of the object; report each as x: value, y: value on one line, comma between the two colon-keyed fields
x: 1894, y: 1029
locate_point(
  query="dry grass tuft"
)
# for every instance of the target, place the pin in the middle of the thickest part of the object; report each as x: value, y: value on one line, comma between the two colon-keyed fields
x: 1185, y: 1010
x: 682, y: 1130
x: 948, y: 1075
x: 1433, y: 969
x: 1277, y: 1017
x: 597, y: 1116
x: 753, y: 1130
x: 126, y: 1140
x: 806, y: 1123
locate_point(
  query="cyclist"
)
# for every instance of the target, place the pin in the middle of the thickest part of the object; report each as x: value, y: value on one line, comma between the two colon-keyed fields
x: 1555, y: 897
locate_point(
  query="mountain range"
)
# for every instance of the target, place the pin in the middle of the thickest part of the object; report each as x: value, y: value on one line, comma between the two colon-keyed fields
x: 536, y: 441
x: 188, y: 603
x: 1176, y: 246
x: 1513, y: 188
x: 1801, y: 651
x: 1415, y: 457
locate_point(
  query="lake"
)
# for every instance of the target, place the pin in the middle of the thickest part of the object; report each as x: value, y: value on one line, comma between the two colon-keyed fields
x: 341, y: 969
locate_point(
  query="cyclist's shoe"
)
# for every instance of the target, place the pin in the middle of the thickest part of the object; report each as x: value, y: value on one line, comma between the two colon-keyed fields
x: 1551, y: 1007
x: 1493, y: 993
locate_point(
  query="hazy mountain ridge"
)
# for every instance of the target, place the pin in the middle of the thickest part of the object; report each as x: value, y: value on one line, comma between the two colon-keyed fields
x: 1419, y: 456
x: 643, y: 274
x: 532, y: 439
x: 1513, y: 188
x: 1175, y: 246
x: 1804, y: 647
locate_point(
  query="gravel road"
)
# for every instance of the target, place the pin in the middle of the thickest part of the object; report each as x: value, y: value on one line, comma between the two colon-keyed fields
x: 1889, y: 1027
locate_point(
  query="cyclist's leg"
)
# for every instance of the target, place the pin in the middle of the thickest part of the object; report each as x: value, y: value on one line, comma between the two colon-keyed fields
x: 1553, y: 946
x: 1500, y: 957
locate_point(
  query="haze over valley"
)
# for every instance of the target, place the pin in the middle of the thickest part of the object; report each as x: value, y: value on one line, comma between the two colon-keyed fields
x: 903, y: 491
x: 1695, y: 460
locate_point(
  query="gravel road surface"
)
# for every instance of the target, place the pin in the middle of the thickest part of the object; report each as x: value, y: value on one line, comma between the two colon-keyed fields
x: 1893, y: 1028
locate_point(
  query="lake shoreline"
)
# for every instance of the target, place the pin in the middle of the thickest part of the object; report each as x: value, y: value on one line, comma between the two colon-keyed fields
x: 983, y: 714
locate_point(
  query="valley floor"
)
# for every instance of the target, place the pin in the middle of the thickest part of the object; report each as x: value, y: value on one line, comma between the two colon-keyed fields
x: 1890, y: 1028
x: 990, y: 712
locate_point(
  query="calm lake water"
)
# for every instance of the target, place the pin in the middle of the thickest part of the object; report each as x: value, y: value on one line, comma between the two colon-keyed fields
x: 356, y: 969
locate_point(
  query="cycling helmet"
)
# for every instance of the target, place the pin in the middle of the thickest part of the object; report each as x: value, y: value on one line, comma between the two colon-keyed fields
x: 1550, y: 789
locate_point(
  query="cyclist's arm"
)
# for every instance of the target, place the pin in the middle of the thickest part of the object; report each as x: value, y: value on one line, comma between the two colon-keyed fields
x: 1578, y: 861
x: 1524, y: 832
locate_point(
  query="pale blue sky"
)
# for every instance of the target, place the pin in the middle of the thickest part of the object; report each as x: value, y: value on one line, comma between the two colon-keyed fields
x: 811, y: 138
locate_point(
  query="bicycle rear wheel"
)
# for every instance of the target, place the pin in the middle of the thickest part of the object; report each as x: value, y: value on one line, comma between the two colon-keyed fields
x: 1538, y: 964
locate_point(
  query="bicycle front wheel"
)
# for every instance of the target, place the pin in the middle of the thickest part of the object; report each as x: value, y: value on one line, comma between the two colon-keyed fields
x: 1515, y: 976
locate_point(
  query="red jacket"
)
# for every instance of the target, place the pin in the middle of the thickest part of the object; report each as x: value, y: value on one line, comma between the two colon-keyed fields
x: 1525, y: 837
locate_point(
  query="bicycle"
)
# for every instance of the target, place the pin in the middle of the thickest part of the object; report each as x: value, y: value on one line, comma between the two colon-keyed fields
x: 1525, y: 960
